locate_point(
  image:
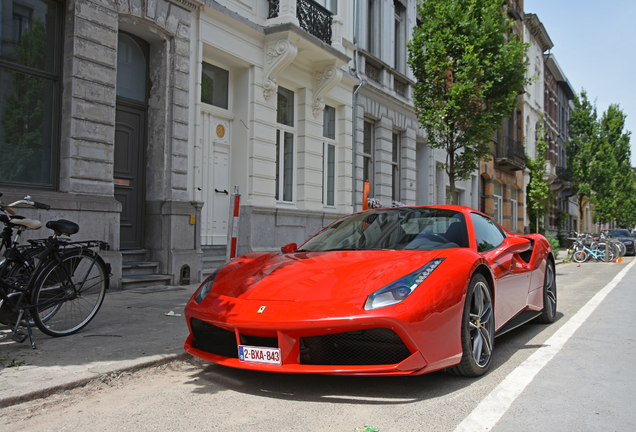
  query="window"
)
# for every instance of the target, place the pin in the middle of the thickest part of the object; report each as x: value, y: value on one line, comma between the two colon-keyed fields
x: 498, y: 201
x: 395, y: 167
x: 30, y: 71
x: 373, y: 38
x: 513, y: 212
x: 329, y: 156
x: 329, y: 177
x: 132, y: 68
x: 330, y: 5
x: 329, y: 122
x: 21, y: 20
x: 285, y: 145
x: 456, y: 198
x: 367, y: 156
x: 214, y: 85
x: 487, y: 233
x: 400, y: 36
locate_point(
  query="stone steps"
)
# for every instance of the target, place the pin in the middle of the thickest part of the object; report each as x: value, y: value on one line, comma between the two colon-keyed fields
x: 138, y: 272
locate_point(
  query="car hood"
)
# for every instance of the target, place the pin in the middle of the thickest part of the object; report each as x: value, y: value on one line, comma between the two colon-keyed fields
x: 306, y: 276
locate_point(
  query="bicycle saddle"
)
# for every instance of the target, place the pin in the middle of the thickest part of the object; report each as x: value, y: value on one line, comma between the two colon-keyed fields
x: 63, y: 226
x: 20, y: 220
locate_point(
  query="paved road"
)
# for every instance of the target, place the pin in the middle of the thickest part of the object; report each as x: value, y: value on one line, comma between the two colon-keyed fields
x: 590, y: 385
x: 586, y: 384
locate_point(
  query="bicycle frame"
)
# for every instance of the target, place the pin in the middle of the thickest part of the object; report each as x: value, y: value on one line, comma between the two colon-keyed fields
x: 51, y: 251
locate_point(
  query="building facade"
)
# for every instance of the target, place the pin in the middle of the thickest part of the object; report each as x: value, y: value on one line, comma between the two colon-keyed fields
x: 502, y: 186
x: 533, y: 106
x: 104, y: 127
x: 272, y: 109
x: 391, y: 152
x: 563, y: 214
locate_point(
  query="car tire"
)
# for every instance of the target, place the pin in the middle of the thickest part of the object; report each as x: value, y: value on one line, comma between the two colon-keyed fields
x: 548, y: 314
x: 478, y: 329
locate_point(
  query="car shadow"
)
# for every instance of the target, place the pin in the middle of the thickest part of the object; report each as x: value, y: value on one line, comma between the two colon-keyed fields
x: 362, y: 390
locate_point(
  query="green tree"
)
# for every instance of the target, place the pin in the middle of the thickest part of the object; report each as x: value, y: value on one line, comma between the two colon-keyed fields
x: 583, y: 128
x: 469, y: 68
x: 624, y: 188
x: 603, y: 172
x: 538, y: 193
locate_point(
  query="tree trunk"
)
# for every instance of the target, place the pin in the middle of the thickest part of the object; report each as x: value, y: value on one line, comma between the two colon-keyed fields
x: 580, y: 200
x: 450, y: 170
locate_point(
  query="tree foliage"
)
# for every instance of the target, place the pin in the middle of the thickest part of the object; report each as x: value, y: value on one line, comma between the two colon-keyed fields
x: 599, y: 162
x: 469, y: 69
x: 623, y: 186
x: 583, y: 128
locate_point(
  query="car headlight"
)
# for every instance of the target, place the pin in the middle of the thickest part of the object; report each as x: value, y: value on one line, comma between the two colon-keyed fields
x: 399, y: 290
x: 205, y: 288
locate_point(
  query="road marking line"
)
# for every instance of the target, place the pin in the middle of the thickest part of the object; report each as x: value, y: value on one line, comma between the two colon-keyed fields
x: 494, y: 406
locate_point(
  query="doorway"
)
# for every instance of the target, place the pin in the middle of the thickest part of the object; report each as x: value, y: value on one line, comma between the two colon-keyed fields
x: 131, y: 114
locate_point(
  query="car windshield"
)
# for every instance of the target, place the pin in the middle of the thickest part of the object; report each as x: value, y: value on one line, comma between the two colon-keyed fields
x: 393, y: 229
x: 620, y: 233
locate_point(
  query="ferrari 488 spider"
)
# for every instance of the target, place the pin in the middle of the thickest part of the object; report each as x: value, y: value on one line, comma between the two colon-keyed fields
x: 394, y: 291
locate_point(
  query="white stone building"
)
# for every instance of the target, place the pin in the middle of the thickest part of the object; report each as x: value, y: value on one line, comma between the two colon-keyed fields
x: 391, y: 149
x: 536, y: 35
x: 272, y: 107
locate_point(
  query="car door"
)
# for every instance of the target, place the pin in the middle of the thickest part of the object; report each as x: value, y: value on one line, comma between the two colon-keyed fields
x: 512, y: 276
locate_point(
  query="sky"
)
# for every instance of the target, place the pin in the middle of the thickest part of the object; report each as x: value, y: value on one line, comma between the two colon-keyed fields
x: 594, y: 44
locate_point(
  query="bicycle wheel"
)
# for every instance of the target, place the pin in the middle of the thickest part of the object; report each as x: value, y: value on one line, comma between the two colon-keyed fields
x: 580, y: 255
x: 69, y: 293
x: 621, y: 247
x: 611, y: 251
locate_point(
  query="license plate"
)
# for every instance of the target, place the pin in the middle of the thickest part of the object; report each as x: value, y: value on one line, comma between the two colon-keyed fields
x: 259, y: 354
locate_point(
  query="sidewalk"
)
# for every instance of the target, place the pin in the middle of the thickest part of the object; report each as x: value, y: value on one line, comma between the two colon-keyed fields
x: 130, y: 331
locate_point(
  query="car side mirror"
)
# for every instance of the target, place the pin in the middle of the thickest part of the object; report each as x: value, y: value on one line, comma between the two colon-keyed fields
x: 289, y: 248
x: 517, y: 244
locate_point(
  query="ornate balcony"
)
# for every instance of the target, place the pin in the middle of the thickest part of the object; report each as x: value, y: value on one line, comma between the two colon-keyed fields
x: 509, y: 154
x: 515, y: 10
x: 313, y: 18
x: 560, y: 183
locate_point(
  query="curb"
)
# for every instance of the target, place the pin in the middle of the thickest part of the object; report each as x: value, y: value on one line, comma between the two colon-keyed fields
x: 40, y: 394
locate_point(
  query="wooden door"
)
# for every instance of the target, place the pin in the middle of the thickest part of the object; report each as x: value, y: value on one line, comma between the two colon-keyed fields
x: 130, y: 142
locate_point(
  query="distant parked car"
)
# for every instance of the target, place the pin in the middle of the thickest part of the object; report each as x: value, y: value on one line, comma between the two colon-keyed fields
x: 625, y: 237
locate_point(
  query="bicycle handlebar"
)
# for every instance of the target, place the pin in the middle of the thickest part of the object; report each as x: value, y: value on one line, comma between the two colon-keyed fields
x: 26, y: 200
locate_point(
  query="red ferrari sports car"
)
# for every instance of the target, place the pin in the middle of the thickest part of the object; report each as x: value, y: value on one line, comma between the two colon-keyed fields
x: 394, y: 291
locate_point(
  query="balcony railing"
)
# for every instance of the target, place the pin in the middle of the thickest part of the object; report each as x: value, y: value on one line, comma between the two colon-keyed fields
x: 313, y: 18
x: 510, y: 153
x: 372, y: 72
x: 274, y: 8
x: 515, y: 9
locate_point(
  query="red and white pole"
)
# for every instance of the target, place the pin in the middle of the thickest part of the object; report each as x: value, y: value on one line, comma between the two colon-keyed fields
x: 235, y: 222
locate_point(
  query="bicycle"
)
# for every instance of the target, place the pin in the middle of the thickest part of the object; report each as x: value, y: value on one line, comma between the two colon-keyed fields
x: 581, y: 252
x: 64, y: 290
x: 606, y: 235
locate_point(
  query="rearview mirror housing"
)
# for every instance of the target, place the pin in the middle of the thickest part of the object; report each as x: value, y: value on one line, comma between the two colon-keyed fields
x: 289, y: 248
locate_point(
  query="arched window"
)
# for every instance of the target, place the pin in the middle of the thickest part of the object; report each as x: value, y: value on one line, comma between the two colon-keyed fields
x: 131, y: 69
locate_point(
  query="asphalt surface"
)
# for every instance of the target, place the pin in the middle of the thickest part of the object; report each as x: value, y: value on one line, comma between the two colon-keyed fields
x: 589, y: 384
